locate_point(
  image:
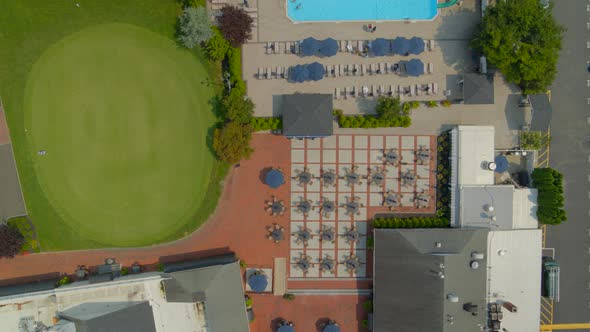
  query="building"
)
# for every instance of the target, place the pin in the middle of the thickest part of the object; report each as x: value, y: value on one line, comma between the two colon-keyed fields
x: 484, y: 273
x: 201, y: 296
x: 307, y: 115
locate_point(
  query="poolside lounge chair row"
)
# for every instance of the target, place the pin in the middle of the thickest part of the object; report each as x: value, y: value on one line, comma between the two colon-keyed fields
x: 368, y: 69
x: 367, y: 91
x: 351, y: 46
x: 268, y: 73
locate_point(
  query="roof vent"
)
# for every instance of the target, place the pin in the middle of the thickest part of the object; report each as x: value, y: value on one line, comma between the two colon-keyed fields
x: 441, y: 275
x: 437, y: 244
x: 502, y: 252
x: 492, y: 166
x: 488, y: 208
x: 474, y: 265
x: 493, y: 218
x: 452, y: 298
x: 477, y: 255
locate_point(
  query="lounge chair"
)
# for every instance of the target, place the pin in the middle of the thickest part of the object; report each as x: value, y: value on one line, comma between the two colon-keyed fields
x: 431, y: 45
x: 296, y: 48
x: 382, y: 91
x: 336, y: 93
x: 361, y: 45
x: 260, y: 73
x: 430, y: 68
x: 391, y: 92
x: 363, y: 69
x: 288, y: 47
x: 434, y: 88
x: 400, y: 90
x: 269, y: 73
x: 372, y: 69
x: 373, y: 92
x: 286, y: 73
x: 342, y: 46
x: 269, y: 48
x: 345, y: 92
x: 340, y: 70
x: 387, y: 68
x: 327, y: 70
x: 356, y: 70
x: 418, y: 88
x: 349, y: 46
x: 381, y: 68
x: 276, y: 48
x: 412, y: 90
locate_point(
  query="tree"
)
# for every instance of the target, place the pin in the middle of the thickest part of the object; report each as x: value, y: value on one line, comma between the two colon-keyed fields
x: 11, y: 241
x: 533, y: 140
x: 238, y: 108
x: 549, y: 183
x: 389, y: 109
x: 194, y: 27
x: 217, y: 46
x: 232, y: 142
x: 522, y: 39
x: 235, y: 25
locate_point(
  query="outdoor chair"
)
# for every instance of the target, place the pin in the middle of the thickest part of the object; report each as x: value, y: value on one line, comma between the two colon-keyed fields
x: 288, y: 47
x: 345, y: 92
x: 434, y: 88
x: 418, y: 88
x: 275, y: 48
x: 336, y: 93
x: 260, y: 73
x: 296, y: 48
x: 268, y: 48
x: 382, y: 68
x: 269, y: 73
x: 430, y: 68
x: 340, y: 70
x: 342, y: 46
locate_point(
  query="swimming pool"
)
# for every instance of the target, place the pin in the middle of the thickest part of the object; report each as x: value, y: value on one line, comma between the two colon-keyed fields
x: 360, y: 10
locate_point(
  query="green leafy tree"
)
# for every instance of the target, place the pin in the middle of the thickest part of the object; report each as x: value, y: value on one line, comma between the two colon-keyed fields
x: 232, y: 142
x: 532, y: 140
x: 194, y: 27
x: 522, y: 39
x: 217, y: 46
x: 238, y: 108
x: 549, y: 183
x: 389, y: 109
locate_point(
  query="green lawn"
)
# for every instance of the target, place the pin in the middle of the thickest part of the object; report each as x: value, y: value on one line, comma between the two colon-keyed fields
x: 122, y: 113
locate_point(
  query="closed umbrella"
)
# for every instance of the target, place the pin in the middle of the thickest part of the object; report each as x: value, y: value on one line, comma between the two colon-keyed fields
x: 380, y: 47
x: 309, y: 46
x: 274, y: 178
x: 316, y: 71
x: 299, y: 73
x: 258, y: 282
x: 332, y: 328
x: 415, y: 67
x: 416, y: 45
x: 400, y: 46
x: 328, y: 47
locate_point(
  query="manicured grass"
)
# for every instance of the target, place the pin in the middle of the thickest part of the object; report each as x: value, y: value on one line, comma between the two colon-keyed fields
x: 123, y: 116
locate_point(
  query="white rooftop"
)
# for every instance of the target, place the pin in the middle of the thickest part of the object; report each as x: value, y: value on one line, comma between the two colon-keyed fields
x: 514, y: 261
x: 475, y: 150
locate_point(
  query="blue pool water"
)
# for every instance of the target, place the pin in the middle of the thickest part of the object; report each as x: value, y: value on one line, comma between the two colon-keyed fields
x: 360, y: 10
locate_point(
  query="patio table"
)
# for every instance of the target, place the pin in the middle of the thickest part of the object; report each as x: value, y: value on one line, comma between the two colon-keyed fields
x: 377, y: 178
x: 304, y: 264
x: 303, y: 235
x: 304, y: 207
x: 328, y: 235
x: 352, y: 207
x: 327, y: 264
x: 304, y: 177
x: 391, y: 200
x: 391, y: 157
x: 276, y: 207
x: 329, y: 178
x: 351, y: 236
x: 328, y: 206
x: 277, y: 235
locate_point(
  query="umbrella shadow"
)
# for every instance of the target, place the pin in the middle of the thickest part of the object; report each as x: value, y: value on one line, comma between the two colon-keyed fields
x: 262, y: 174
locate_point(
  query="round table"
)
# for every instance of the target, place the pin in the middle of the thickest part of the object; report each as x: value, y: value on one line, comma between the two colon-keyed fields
x: 351, y: 236
x: 352, y: 207
x: 391, y: 199
x: 377, y: 178
x: 303, y: 235
x: 329, y: 178
x: 352, y: 178
x: 327, y: 264
x: 391, y: 157
x: 352, y: 264
x: 328, y: 206
x: 304, y: 177
x: 277, y: 234
x: 303, y: 264
x: 304, y: 207
x: 328, y: 235
x: 276, y: 207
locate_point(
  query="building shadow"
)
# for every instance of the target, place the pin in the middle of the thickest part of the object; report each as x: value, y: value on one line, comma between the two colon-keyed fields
x: 195, y: 255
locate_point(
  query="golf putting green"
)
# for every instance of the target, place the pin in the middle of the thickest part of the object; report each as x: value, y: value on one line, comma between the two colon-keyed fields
x: 116, y: 120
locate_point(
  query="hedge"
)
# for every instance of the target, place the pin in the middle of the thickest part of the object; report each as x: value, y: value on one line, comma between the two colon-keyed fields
x: 550, y: 201
x: 411, y: 222
x: 234, y: 67
x: 259, y: 124
x: 371, y: 121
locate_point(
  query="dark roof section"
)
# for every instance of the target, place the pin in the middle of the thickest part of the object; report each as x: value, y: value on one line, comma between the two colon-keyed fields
x: 214, y: 281
x: 409, y: 293
x: 478, y: 89
x: 111, y: 317
x: 307, y: 115
x: 31, y: 287
x: 542, y: 112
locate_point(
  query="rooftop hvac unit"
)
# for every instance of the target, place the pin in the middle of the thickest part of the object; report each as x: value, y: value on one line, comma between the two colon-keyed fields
x: 510, y: 307
x: 474, y: 265
x: 477, y: 255
x: 492, y: 166
x: 452, y: 298
x: 470, y: 307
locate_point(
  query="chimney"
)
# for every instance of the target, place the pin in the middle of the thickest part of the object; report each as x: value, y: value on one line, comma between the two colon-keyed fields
x: 509, y: 306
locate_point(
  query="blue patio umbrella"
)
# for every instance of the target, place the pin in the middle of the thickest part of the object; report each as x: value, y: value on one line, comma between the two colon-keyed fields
x: 309, y: 46
x: 328, y: 47
x: 316, y: 71
x: 400, y: 45
x: 332, y: 328
x: 416, y: 45
x: 286, y: 328
x: 274, y: 178
x: 258, y: 282
x: 501, y: 164
x: 380, y: 47
x: 299, y: 73
x: 415, y: 67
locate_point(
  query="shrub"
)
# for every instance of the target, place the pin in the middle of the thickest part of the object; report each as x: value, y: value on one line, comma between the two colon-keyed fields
x: 446, y: 103
x: 259, y: 124
x: 431, y: 103
x: 289, y: 296
x: 24, y: 227
x: 160, y: 267
x: 368, y: 305
x: 550, y: 200
x: 217, y: 46
x: 389, y: 108
x: 249, y: 302
x: 194, y: 26
x: 370, y: 242
x: 64, y: 281
x: 532, y: 140
x: 337, y: 113
x: 371, y: 121
x: 193, y: 3
x: 124, y: 271
x: 243, y: 264
x: 235, y: 24
x: 414, y: 104
x: 232, y: 142
x: 412, y: 222
x: 365, y: 323
x: 11, y: 241
x: 237, y: 108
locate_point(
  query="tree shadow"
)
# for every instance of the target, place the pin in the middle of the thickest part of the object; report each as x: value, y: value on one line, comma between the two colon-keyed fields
x: 276, y: 323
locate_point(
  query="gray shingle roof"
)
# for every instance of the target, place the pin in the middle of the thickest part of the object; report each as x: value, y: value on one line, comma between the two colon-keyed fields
x: 409, y: 293
x: 111, y: 317
x: 478, y: 89
x: 219, y: 287
x: 307, y: 115
x: 542, y: 112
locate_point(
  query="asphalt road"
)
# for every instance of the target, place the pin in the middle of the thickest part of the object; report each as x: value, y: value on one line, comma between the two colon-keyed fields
x: 570, y: 154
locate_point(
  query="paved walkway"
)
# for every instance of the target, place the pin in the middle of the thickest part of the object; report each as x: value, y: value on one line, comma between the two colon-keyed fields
x: 11, y: 197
